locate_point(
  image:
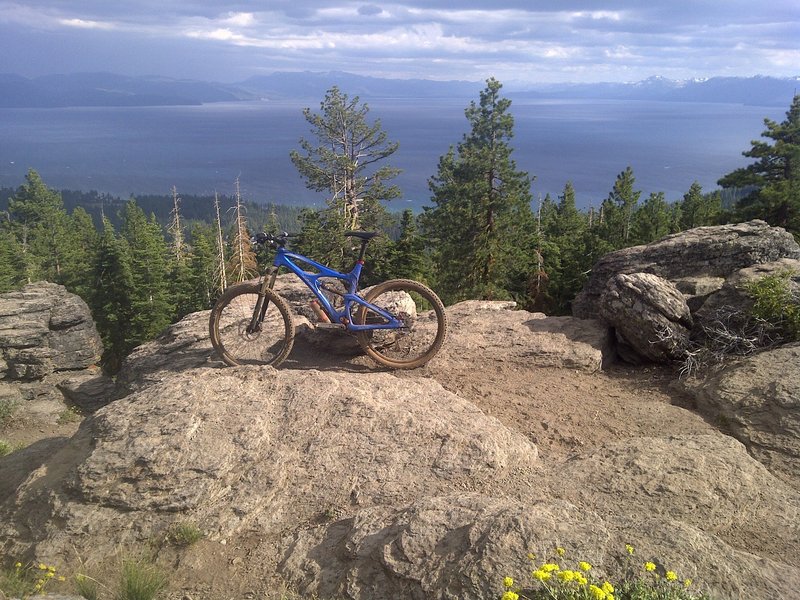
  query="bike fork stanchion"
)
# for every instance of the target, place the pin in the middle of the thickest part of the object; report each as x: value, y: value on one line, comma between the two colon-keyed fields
x: 263, y: 301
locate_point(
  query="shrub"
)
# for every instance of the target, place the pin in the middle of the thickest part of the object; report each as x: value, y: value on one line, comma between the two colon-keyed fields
x: 24, y: 581
x: 184, y: 534
x: 553, y: 580
x: 776, y: 303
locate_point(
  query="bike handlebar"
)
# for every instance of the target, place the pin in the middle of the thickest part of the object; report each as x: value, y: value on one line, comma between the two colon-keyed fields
x: 268, y: 238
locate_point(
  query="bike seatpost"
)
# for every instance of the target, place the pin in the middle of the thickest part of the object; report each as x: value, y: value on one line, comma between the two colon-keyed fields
x: 363, y: 250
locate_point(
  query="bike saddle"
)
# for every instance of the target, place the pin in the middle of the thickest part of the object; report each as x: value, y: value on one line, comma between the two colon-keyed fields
x: 362, y: 235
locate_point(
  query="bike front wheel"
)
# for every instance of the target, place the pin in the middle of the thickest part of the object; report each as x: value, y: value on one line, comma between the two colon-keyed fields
x: 424, y: 324
x: 232, y: 336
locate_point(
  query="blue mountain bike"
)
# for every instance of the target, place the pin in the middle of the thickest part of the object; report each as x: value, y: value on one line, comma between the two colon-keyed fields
x: 399, y: 323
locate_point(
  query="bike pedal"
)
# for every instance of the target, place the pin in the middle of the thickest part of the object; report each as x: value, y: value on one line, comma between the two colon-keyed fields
x: 329, y: 326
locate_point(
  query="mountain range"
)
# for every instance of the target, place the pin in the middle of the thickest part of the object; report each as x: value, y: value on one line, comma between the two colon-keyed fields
x: 108, y: 89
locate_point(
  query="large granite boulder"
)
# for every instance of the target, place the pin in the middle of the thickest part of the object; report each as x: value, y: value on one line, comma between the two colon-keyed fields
x: 706, y: 266
x: 44, y: 328
x: 648, y: 314
x: 709, y: 252
x: 251, y: 448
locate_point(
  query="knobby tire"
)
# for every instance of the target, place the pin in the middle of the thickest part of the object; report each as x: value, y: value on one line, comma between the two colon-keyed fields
x: 410, y: 347
x: 232, y: 314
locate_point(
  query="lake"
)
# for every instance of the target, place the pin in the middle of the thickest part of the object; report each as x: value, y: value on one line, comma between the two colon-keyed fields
x: 200, y: 149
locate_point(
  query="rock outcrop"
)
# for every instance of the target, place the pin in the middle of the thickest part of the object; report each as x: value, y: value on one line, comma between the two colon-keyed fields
x: 757, y: 400
x: 707, y: 265
x: 707, y: 252
x: 48, y: 339
x: 244, y: 448
x: 481, y: 330
x: 43, y: 329
x: 345, y: 481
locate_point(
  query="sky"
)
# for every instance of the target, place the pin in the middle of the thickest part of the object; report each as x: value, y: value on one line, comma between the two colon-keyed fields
x: 516, y: 41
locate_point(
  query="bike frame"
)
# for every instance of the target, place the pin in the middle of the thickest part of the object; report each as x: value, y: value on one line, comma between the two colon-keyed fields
x: 285, y: 258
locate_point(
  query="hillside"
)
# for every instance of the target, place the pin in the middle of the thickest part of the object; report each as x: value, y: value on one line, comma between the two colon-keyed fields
x: 108, y: 89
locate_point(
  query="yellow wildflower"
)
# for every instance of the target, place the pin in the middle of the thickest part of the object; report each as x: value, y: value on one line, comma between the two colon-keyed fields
x: 566, y: 575
x: 585, y: 566
x: 687, y: 582
x: 62, y: 578
x: 608, y: 588
x: 50, y: 574
x: 42, y: 567
x: 629, y: 548
x: 541, y: 575
x: 580, y: 579
x: 508, y: 582
x: 671, y: 575
x: 509, y: 595
x: 51, y: 568
x: 18, y: 565
x: 560, y: 551
x: 596, y: 592
x: 648, y: 566
x: 550, y: 567
x: 531, y: 556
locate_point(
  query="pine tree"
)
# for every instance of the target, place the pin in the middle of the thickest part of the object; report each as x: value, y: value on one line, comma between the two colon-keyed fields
x: 774, y: 179
x: 481, y: 223
x: 573, y: 266
x: 408, y: 260
x: 619, y: 208
x: 220, y: 274
x: 79, y: 253
x: 698, y: 209
x: 651, y: 221
x: 12, y: 269
x: 202, y: 266
x: 346, y: 164
x: 152, y: 298
x: 38, y: 220
x: 112, y: 292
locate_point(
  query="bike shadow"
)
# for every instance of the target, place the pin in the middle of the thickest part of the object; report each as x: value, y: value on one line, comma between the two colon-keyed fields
x: 307, y: 355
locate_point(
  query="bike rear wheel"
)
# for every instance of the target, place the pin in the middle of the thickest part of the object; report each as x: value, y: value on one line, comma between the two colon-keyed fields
x: 424, y: 324
x: 231, y: 317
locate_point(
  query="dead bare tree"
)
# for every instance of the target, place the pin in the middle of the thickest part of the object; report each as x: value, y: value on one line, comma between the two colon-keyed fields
x: 219, y: 271
x: 243, y: 264
x: 175, y: 229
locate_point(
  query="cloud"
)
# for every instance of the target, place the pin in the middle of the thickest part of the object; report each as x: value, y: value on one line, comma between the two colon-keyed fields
x: 511, y: 39
x: 369, y: 10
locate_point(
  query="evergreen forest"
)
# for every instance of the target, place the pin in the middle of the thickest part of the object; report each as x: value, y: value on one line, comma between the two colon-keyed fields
x: 145, y: 262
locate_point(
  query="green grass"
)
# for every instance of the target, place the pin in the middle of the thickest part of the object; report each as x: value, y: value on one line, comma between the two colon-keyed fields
x: 69, y: 415
x: 7, y: 409
x: 87, y: 587
x: 184, y: 534
x: 5, y: 448
x: 140, y: 579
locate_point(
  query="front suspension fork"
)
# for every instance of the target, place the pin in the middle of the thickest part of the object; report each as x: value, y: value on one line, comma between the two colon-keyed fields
x: 268, y: 282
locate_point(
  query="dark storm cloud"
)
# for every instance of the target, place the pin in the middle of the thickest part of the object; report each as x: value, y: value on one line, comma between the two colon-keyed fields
x: 551, y: 40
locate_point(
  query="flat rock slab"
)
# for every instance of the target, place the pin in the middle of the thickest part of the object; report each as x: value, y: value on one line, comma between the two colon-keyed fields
x: 483, y: 332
